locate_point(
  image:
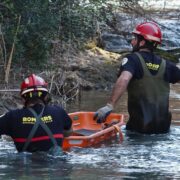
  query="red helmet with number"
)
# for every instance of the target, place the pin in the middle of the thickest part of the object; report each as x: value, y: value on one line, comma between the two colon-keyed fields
x: 150, y: 31
x: 33, y: 83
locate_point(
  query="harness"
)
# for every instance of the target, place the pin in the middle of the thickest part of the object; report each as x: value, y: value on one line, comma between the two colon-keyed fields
x: 38, y: 123
x: 148, y: 101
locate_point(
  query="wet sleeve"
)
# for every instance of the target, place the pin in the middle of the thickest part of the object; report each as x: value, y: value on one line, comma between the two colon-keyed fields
x: 4, y: 128
x: 130, y: 64
x: 172, y: 73
x: 67, y: 121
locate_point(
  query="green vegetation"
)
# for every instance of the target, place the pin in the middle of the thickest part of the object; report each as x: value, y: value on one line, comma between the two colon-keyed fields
x: 38, y: 24
x: 42, y: 21
x: 30, y: 28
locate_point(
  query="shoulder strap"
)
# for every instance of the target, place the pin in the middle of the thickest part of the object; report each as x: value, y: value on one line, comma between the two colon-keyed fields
x: 36, y: 125
x: 33, y: 130
x: 161, y: 68
x: 145, y: 69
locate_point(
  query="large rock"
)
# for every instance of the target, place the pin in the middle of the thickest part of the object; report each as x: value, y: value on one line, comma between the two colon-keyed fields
x: 115, y: 43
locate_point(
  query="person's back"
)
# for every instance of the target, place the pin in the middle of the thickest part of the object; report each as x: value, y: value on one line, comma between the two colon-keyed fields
x: 38, y: 126
x: 148, y: 98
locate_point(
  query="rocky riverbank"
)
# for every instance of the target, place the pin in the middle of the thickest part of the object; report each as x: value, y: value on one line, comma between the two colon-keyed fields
x: 71, y: 69
x: 90, y: 69
x: 93, y: 68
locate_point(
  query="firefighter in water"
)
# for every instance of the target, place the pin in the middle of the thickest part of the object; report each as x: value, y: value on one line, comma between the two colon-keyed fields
x: 37, y: 126
x: 147, y: 79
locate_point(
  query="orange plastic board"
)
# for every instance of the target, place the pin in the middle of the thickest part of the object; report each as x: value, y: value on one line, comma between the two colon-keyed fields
x: 86, y: 132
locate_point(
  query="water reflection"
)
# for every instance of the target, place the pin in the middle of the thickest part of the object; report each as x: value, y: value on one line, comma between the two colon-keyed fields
x: 156, y: 156
x: 33, y: 166
x: 92, y: 100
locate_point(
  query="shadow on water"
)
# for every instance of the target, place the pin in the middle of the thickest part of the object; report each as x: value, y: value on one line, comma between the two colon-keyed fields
x: 33, y: 166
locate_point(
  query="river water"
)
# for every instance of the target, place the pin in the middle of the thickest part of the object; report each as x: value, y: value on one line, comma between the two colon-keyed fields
x: 137, y: 157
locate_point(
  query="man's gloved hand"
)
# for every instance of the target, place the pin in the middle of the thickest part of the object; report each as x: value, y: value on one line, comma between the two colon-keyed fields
x: 102, y: 113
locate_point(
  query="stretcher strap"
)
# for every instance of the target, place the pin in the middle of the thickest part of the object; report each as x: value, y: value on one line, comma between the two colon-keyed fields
x: 118, y: 129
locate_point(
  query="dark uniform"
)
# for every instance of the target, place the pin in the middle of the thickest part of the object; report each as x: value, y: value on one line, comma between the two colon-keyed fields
x: 19, y: 124
x: 148, y: 92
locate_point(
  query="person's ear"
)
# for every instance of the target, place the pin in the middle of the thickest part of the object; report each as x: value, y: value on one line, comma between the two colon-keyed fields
x: 47, y: 98
x: 142, y: 43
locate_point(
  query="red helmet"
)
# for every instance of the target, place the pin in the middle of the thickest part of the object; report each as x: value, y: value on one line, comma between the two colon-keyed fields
x: 33, y: 83
x: 150, y: 31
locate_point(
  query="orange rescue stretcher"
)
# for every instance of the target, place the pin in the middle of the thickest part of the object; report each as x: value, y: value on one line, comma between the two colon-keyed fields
x: 87, y: 133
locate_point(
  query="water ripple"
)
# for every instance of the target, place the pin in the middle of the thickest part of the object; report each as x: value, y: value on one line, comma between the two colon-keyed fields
x: 157, y: 156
